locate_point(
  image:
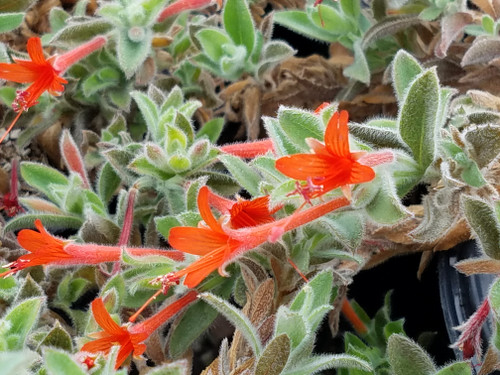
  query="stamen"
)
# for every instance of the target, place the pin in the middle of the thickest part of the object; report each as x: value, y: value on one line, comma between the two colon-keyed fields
x: 167, y: 281
x: 298, y: 271
x: 308, y: 191
x: 134, y: 317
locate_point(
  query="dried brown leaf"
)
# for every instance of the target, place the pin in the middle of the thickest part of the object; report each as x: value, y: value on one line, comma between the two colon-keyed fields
x: 451, y: 27
x: 213, y: 368
x: 224, y: 367
x: 266, y: 328
x: 425, y: 260
x: 252, y: 272
x: 252, y: 97
x: 484, y: 99
x: 154, y: 350
x: 244, y: 368
x: 496, y: 7
x: 482, y: 51
x: 49, y: 142
x: 491, y: 361
x: 478, y: 265
x: 486, y: 6
x: 4, y: 181
x: 334, y: 314
x: 262, y: 302
x: 340, y: 55
x: 381, y: 94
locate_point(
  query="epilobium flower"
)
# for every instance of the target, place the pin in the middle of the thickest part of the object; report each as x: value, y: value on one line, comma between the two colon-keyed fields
x: 43, y: 74
x: 219, y: 244
x: 331, y: 165
x: 129, y: 337
x: 244, y: 213
x: 45, y: 249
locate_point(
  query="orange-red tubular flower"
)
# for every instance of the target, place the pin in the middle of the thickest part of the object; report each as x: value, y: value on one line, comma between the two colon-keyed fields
x: 179, y: 6
x: 45, y: 249
x: 43, y: 74
x: 249, y: 150
x: 331, y: 165
x: 129, y: 337
x: 219, y: 244
x: 243, y: 213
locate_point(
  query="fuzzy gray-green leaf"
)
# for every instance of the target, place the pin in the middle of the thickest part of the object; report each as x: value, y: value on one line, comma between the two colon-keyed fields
x: 21, y: 319
x: 58, y: 338
x: 407, y: 358
x: 48, y: 220
x: 244, y: 174
x: 10, y: 21
x: 108, y: 182
x: 485, y: 143
x: 239, y: 24
x: 484, y: 223
x: 76, y: 33
x: 60, y: 363
x: 18, y: 362
x: 292, y: 323
x: 237, y: 318
x: 299, y: 125
x: 43, y: 178
x: 377, y: 137
x: 132, y: 53
x: 417, y: 119
x: 359, y: 69
x: 388, y: 26
x: 318, y: 363
x: 405, y: 68
x: 300, y: 22
x: 194, y: 321
x: 457, y: 368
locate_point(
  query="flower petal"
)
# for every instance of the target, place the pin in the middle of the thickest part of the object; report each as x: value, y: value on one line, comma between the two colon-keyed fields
x: 197, y: 271
x: 361, y: 173
x: 250, y: 213
x: 17, y: 73
x: 303, y: 166
x: 104, y: 320
x: 40, y: 242
x: 125, y: 350
x: 205, y: 212
x: 197, y: 241
x: 337, y: 135
x: 102, y: 345
x: 35, y: 51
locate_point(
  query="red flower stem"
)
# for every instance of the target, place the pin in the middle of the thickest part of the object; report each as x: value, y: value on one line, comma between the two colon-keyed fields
x: 249, y: 150
x: 151, y: 324
x: 11, y: 126
x: 353, y: 318
x: 128, y: 219
x: 64, y: 61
